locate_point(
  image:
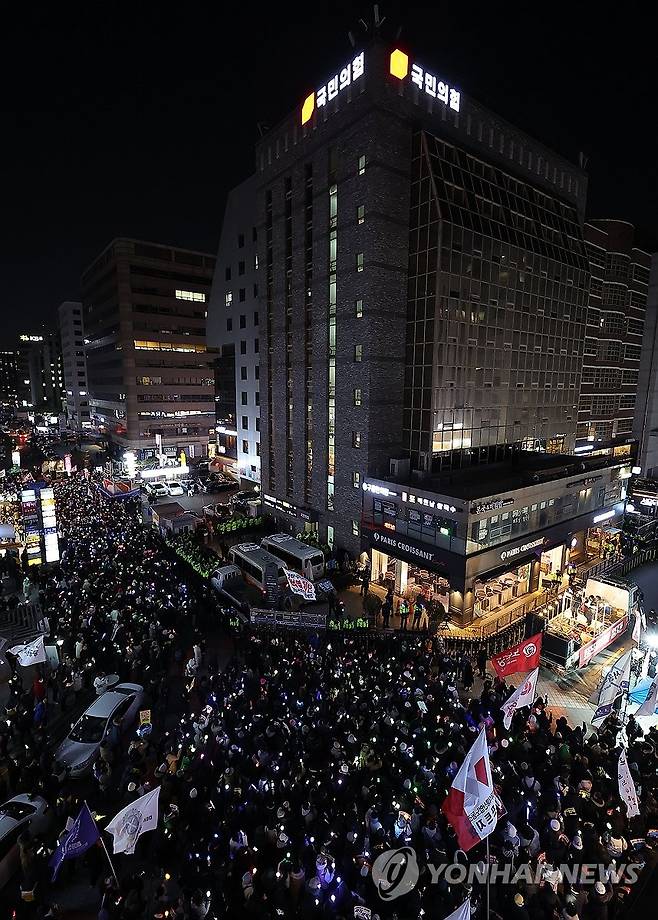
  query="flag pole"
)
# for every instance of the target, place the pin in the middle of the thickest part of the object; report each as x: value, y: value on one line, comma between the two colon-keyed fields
x: 488, y: 876
x: 100, y: 837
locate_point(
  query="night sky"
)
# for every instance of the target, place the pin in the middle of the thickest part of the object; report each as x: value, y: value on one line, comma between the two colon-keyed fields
x: 135, y: 119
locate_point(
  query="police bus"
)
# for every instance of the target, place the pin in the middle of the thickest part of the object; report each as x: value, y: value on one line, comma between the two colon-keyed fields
x: 253, y: 561
x: 298, y: 556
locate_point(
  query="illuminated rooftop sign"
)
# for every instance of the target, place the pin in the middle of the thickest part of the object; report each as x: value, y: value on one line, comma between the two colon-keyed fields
x: 340, y: 81
x: 401, y: 67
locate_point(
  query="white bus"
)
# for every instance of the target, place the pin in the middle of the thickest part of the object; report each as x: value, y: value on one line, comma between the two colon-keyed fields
x: 253, y: 561
x: 298, y: 556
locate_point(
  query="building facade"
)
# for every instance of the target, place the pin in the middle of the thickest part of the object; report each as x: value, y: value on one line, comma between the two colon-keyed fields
x: 234, y: 330
x: 613, y: 343
x: 645, y: 427
x: 71, y: 330
x: 423, y: 291
x: 150, y: 372
x: 481, y: 544
x: 9, y: 378
x: 41, y: 373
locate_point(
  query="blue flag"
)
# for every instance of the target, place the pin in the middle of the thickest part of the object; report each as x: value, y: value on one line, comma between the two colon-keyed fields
x: 83, y: 834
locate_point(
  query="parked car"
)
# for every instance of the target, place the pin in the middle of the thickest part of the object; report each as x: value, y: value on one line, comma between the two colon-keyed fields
x: 175, y: 488
x: 190, y: 486
x: 79, y: 749
x: 17, y: 815
x: 217, y: 483
x: 157, y: 490
x: 218, y: 510
x: 241, y: 498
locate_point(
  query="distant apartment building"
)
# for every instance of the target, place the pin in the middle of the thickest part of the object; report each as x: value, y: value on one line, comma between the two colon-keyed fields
x: 71, y: 332
x: 8, y: 378
x: 613, y: 338
x: 40, y: 372
x: 150, y: 372
x: 233, y: 329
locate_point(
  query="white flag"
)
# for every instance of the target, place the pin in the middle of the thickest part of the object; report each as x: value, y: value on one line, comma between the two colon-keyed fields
x: 627, y: 791
x: 30, y: 653
x: 133, y: 821
x: 471, y: 805
x: 524, y: 695
x: 637, y: 627
x: 616, y: 682
x: 650, y: 703
x: 300, y: 585
x: 462, y: 913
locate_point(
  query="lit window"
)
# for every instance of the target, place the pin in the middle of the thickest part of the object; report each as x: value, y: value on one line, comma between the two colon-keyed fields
x: 359, y: 261
x: 359, y: 309
x: 358, y: 352
x: 357, y: 397
x: 355, y: 529
x: 256, y: 262
x: 356, y: 438
x: 228, y: 299
x: 191, y: 295
x: 361, y: 214
x: 167, y: 346
x: 362, y: 164
x: 245, y: 447
x: 356, y: 479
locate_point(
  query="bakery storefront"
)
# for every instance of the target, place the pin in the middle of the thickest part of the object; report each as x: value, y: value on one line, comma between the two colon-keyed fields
x: 411, y: 569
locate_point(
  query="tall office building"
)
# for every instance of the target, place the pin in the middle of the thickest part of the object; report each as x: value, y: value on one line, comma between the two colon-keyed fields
x: 645, y: 427
x: 613, y: 342
x: 71, y: 332
x: 423, y: 294
x: 150, y: 373
x: 234, y: 330
x: 8, y: 378
x: 40, y: 372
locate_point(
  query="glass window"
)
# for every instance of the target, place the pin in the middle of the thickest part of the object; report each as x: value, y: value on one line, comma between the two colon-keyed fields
x: 358, y: 352
x: 245, y: 422
x: 359, y: 261
x: 245, y: 447
x: 228, y: 298
x: 362, y: 164
x: 357, y: 396
x: 359, y: 309
x: 227, y: 273
x: 243, y: 322
x: 361, y: 214
x: 356, y: 439
x: 240, y: 240
x: 243, y: 347
x: 243, y: 398
x: 229, y: 324
x: 356, y: 479
x: 240, y: 268
x: 355, y: 528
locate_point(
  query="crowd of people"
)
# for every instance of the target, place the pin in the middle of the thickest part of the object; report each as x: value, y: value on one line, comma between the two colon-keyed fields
x: 288, y: 762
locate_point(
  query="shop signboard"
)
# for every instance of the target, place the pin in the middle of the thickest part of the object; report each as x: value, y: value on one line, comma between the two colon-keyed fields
x: 300, y: 619
x: 396, y: 543
x: 602, y: 641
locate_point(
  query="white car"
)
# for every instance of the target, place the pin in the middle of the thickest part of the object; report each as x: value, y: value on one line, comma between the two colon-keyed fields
x: 79, y: 749
x: 158, y: 490
x: 175, y: 488
x: 17, y: 815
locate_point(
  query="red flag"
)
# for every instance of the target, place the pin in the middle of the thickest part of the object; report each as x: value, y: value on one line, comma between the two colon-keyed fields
x: 518, y: 658
x: 471, y: 806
